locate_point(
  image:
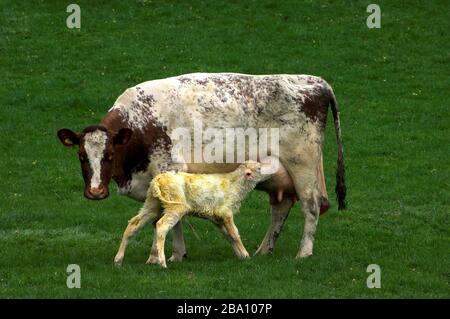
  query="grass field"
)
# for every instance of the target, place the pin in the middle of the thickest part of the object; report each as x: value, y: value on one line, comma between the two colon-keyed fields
x: 393, y: 88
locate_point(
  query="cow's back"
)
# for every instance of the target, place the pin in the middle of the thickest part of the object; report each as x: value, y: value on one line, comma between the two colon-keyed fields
x: 220, y: 100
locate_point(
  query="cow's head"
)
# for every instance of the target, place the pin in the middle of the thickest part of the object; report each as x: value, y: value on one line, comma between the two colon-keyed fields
x: 96, y: 154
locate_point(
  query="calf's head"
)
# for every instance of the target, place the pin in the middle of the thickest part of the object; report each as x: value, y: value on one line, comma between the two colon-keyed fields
x: 96, y: 148
x: 253, y: 171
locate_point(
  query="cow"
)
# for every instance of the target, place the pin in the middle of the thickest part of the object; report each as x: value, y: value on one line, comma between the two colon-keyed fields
x: 133, y: 141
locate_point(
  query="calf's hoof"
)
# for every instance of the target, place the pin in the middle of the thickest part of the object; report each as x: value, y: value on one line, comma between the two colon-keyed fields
x: 244, y: 255
x: 118, y: 260
x: 153, y: 260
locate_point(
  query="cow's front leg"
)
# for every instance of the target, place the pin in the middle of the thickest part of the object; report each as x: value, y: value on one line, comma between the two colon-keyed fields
x: 178, y: 246
x: 280, y: 211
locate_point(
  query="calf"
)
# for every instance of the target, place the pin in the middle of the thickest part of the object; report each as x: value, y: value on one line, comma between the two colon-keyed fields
x: 216, y: 197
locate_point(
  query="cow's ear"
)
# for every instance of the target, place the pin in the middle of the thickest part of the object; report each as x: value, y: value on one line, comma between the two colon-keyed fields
x: 123, y: 136
x: 68, y: 137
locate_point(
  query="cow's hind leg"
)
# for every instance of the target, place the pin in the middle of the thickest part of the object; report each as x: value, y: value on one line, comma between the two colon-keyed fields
x: 148, y: 213
x: 311, y: 212
x: 307, y: 185
x: 280, y: 211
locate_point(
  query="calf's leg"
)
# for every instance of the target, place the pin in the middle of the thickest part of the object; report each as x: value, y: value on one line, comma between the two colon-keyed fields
x: 148, y: 213
x: 153, y: 258
x: 231, y: 233
x: 163, y: 225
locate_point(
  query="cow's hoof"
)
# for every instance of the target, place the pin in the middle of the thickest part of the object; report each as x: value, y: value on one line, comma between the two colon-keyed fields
x: 177, y: 258
x: 304, y: 254
x: 263, y: 250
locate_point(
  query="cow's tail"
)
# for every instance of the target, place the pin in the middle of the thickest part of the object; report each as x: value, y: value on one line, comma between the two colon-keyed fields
x: 341, y: 189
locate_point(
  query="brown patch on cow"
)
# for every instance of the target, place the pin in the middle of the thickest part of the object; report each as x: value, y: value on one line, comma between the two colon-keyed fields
x: 134, y: 156
x: 201, y: 82
x: 146, y: 99
x: 184, y: 79
x: 314, y: 106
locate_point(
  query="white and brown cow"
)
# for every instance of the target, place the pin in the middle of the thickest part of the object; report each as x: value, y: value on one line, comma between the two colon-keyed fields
x: 132, y: 143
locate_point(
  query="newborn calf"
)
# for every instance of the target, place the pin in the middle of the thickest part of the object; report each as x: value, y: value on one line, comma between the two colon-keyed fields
x: 213, y: 196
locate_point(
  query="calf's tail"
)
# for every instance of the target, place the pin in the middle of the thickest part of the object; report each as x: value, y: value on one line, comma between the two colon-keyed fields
x: 156, y: 192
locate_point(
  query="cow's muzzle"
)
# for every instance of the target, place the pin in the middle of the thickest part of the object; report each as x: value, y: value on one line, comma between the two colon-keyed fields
x: 96, y: 193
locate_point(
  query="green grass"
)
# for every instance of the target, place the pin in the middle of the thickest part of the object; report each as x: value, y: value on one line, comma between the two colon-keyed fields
x: 393, y: 88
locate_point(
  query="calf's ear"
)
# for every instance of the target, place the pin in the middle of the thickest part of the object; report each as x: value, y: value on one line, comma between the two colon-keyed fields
x: 68, y: 137
x: 123, y: 136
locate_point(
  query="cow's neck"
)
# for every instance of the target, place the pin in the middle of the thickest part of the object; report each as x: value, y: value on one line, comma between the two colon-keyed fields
x: 130, y: 158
